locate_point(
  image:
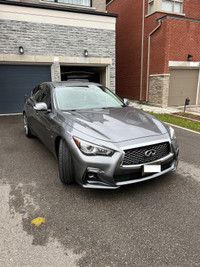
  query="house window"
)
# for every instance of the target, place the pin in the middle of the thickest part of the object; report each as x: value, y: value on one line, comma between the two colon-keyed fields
x: 74, y: 2
x: 151, y: 6
x: 172, y: 5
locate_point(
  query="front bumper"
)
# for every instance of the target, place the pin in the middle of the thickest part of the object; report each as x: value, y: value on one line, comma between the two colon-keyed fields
x: 108, y: 173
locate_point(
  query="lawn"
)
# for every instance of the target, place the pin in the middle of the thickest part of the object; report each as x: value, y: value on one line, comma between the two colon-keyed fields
x: 192, y: 125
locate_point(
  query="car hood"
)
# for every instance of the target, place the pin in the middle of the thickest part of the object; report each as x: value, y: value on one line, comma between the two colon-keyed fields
x: 114, y: 124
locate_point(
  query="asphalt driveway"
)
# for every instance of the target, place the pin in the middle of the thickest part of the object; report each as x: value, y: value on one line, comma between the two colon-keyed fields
x: 154, y: 223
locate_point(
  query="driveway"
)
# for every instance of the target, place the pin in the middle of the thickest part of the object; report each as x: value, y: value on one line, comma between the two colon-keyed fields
x: 154, y: 223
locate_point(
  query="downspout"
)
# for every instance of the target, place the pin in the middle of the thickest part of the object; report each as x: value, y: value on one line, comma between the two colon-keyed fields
x: 142, y: 50
x: 148, y: 59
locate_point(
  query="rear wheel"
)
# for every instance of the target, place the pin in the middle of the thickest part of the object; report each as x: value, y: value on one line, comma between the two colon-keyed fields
x: 66, y: 167
x: 27, y: 130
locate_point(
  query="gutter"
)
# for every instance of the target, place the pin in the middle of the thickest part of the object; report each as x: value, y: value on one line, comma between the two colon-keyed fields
x: 148, y: 59
x: 177, y: 17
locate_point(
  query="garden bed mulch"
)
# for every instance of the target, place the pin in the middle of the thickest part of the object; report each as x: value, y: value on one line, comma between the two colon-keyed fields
x: 189, y: 116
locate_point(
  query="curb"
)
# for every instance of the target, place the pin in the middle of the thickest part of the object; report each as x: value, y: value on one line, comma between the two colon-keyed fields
x: 182, y: 128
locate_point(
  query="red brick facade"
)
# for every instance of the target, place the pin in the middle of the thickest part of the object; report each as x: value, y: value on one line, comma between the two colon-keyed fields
x: 177, y: 36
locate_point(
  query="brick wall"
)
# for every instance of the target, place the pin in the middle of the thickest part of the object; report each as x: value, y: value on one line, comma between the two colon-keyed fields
x: 183, y: 39
x: 191, y: 8
x: 174, y: 40
x: 128, y: 46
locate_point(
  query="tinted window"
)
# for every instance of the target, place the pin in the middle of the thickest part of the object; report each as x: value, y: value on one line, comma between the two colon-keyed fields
x: 46, y: 96
x: 34, y: 91
x: 38, y: 95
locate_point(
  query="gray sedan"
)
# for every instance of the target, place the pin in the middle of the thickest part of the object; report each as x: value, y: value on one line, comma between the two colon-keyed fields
x: 99, y: 141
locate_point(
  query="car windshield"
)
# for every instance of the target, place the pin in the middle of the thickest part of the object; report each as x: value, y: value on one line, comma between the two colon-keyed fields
x: 85, y: 97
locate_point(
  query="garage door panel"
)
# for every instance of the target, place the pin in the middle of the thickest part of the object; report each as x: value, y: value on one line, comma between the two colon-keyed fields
x: 178, y: 99
x: 183, y: 84
x: 18, y: 80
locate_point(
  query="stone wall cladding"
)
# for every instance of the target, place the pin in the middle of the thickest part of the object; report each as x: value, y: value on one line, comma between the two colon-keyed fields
x: 159, y: 90
x: 57, y: 40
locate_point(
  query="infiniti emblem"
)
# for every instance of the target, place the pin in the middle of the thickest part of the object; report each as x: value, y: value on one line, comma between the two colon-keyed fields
x: 150, y: 153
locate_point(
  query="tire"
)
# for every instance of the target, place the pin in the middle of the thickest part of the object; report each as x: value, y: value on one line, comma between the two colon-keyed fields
x: 27, y: 130
x: 66, y: 167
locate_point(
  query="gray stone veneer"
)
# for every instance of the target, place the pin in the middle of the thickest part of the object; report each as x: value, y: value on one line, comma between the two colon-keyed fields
x: 57, y: 40
x: 159, y: 90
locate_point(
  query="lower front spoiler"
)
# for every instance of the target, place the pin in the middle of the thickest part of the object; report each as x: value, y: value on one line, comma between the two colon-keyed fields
x: 172, y: 168
x: 104, y: 185
x: 97, y: 186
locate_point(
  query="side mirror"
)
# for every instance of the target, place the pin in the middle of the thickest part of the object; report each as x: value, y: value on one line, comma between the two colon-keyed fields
x: 41, y: 106
x: 126, y: 101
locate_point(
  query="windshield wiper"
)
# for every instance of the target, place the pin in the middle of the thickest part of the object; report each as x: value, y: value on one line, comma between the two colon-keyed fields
x: 111, y: 107
x: 68, y: 110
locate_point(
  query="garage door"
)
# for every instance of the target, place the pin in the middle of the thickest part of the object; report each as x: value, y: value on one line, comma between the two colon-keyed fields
x: 16, y: 81
x: 183, y: 84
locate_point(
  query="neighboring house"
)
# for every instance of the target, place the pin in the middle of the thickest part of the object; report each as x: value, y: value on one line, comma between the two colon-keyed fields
x: 42, y: 40
x: 158, y: 50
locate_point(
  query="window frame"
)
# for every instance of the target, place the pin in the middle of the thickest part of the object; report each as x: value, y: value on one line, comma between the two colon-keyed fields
x: 63, y: 3
x: 151, y: 2
x: 46, y: 88
x: 157, y: 6
x: 173, y: 6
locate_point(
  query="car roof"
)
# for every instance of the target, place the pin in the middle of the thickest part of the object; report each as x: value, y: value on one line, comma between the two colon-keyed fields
x: 72, y: 83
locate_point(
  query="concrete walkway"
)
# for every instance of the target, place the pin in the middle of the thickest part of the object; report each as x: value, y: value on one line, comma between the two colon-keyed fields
x: 166, y: 110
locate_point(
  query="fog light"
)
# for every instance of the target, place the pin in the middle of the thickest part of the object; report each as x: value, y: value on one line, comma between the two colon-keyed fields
x: 91, y: 176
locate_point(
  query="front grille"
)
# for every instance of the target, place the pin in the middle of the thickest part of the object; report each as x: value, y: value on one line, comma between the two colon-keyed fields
x: 137, y: 155
x: 138, y: 174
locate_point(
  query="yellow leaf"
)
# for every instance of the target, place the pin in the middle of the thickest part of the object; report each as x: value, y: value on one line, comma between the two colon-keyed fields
x: 38, y: 221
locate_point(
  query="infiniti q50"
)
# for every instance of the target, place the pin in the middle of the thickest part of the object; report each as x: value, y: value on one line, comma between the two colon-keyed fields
x: 98, y: 140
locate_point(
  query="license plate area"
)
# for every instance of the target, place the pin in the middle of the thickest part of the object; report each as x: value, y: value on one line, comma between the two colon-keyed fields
x: 151, y: 168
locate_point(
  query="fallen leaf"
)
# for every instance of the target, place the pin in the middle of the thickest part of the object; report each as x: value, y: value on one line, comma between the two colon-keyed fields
x: 38, y: 221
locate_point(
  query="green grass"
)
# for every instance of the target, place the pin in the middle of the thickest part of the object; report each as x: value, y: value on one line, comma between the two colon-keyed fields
x: 192, y: 125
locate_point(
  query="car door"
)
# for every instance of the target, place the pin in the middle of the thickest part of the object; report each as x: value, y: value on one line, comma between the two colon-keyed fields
x: 44, y: 119
x: 32, y: 113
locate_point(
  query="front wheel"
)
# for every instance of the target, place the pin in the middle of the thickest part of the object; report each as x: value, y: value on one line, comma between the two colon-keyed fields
x: 66, y: 167
x: 26, y: 127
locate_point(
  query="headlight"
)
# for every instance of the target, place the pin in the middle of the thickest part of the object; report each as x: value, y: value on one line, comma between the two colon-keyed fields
x: 90, y: 149
x: 173, y: 138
